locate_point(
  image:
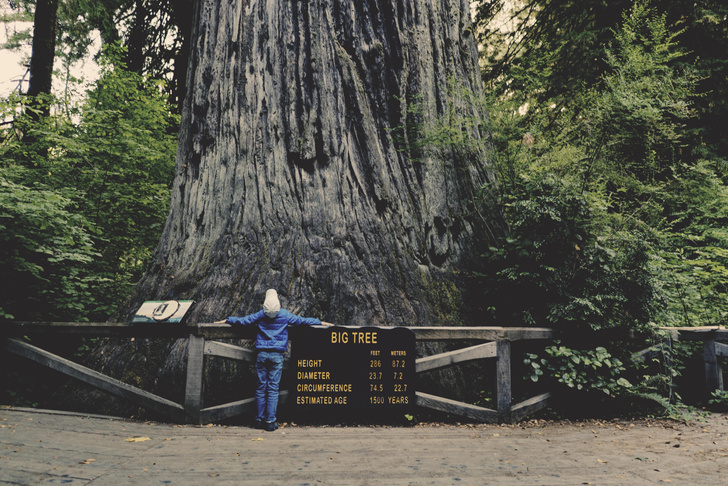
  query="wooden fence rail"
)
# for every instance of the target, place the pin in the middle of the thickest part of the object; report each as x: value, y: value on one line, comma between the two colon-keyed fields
x: 712, y: 348
x: 201, y: 343
x: 495, y: 344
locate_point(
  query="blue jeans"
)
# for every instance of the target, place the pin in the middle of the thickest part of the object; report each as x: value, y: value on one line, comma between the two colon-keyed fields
x: 269, y: 367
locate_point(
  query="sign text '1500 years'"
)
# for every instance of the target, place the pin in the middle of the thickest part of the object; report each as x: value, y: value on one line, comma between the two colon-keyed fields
x: 340, y: 368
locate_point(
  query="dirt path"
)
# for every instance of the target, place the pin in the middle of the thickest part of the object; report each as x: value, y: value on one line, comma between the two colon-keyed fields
x: 57, y: 448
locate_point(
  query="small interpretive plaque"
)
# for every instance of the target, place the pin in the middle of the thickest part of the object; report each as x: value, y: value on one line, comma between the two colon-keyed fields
x: 162, y: 311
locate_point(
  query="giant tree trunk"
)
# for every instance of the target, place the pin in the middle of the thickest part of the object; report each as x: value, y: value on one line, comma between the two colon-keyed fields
x: 295, y: 169
x: 291, y: 171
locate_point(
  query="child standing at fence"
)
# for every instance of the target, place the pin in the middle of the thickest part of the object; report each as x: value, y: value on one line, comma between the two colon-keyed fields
x: 271, y: 343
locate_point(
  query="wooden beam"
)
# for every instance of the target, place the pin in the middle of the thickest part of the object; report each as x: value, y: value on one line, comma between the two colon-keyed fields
x: 503, y: 380
x: 229, y: 351
x: 225, y: 331
x: 212, y: 331
x: 481, y: 333
x: 521, y: 333
x: 195, y: 374
x: 721, y: 349
x: 454, y: 407
x: 713, y: 373
x: 98, y: 329
x: 443, y: 360
x: 530, y: 406
x: 238, y: 353
x: 147, y: 400
x: 423, y: 333
x: 649, y: 353
x: 225, y: 411
x: 715, y: 333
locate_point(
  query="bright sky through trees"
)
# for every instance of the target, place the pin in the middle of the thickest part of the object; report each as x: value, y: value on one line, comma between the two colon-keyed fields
x: 11, y: 69
x: 13, y: 62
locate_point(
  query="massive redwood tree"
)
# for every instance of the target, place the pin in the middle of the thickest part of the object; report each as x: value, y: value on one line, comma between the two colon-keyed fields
x: 297, y: 165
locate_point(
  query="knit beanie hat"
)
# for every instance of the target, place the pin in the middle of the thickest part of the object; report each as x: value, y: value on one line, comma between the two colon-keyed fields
x: 271, y: 305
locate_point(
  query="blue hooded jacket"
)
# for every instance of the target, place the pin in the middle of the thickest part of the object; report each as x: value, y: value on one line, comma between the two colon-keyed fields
x: 273, y: 331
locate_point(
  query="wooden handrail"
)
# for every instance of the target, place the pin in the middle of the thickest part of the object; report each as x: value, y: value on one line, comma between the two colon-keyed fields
x: 497, y: 345
x: 225, y: 331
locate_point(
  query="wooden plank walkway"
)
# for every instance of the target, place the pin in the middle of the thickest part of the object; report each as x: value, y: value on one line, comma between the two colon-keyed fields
x: 62, y: 448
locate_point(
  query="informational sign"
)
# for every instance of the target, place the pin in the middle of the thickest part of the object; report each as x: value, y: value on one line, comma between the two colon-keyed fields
x: 340, y: 369
x: 162, y: 311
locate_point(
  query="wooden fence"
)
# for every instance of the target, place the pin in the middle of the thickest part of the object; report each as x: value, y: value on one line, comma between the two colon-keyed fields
x: 495, y: 344
x: 202, y: 342
x: 713, y: 339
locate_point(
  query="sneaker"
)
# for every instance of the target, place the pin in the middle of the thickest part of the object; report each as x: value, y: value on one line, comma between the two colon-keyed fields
x: 258, y: 424
x: 271, y: 426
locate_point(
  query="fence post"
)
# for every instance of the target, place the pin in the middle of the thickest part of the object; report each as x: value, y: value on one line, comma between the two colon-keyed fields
x: 713, y: 373
x: 503, y: 380
x: 195, y: 370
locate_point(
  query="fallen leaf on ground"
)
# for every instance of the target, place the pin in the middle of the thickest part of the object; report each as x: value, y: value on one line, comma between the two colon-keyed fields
x: 137, y: 439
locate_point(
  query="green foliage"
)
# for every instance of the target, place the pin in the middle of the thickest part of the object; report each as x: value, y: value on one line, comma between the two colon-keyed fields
x: 45, y: 252
x: 606, y: 376
x: 587, y: 370
x: 456, y: 131
x: 553, y: 52
x: 613, y: 192
x: 565, y: 263
x: 108, y: 163
x: 589, y: 190
x: 719, y: 400
x: 123, y: 160
x: 614, y: 203
x: 584, y: 186
x: 692, y: 243
x: 636, y: 122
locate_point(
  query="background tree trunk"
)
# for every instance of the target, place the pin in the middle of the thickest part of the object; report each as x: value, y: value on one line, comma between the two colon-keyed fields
x: 289, y: 174
x: 138, y: 37
x: 42, y: 54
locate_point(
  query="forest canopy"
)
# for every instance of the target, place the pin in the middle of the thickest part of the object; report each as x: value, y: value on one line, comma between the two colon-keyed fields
x: 606, y: 124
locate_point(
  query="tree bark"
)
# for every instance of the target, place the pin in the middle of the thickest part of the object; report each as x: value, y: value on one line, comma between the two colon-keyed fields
x: 42, y: 55
x: 137, y: 38
x: 290, y: 173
